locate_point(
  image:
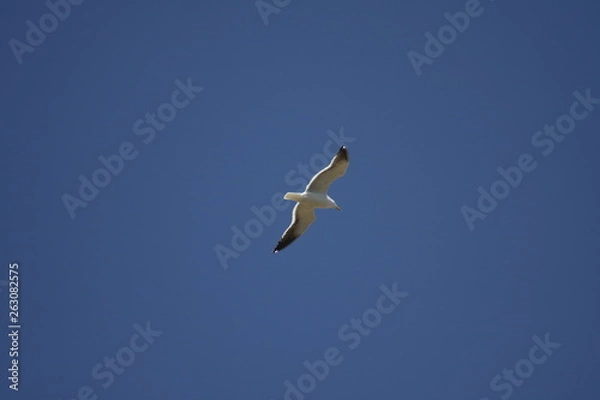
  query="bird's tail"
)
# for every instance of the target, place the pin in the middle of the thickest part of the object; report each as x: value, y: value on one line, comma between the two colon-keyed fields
x: 293, y: 196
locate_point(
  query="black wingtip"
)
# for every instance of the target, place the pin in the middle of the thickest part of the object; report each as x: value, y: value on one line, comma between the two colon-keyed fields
x: 343, y: 152
x: 284, y: 242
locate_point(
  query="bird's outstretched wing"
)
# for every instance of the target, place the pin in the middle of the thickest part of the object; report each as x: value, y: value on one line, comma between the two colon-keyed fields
x: 336, y: 168
x: 302, y: 217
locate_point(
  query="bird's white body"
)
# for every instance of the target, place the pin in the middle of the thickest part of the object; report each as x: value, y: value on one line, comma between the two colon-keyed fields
x: 312, y: 199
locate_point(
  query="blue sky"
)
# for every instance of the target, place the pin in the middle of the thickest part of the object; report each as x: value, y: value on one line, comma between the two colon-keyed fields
x: 204, y: 112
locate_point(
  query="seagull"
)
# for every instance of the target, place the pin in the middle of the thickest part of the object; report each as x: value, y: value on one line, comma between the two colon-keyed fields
x: 314, y: 196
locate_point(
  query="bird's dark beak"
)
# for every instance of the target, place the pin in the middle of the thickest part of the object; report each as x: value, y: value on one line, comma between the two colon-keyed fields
x: 337, y: 208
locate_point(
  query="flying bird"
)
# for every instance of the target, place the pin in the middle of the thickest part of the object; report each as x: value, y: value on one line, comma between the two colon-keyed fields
x: 314, y: 196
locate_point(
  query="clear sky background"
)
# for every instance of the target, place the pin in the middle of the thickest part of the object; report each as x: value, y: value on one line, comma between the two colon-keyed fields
x: 144, y: 249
